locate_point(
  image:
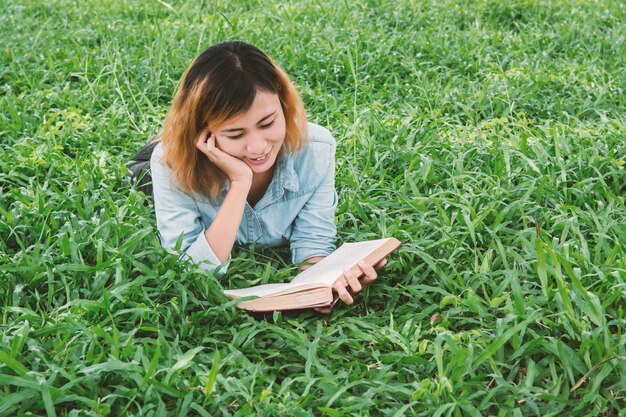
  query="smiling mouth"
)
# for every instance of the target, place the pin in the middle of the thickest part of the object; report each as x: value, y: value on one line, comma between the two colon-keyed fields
x: 260, y: 159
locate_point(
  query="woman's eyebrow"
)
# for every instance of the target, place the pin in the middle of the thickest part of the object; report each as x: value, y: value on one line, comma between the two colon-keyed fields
x: 236, y: 129
x: 266, y: 117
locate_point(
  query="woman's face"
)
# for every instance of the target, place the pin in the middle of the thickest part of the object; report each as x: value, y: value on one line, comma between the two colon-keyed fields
x: 255, y: 136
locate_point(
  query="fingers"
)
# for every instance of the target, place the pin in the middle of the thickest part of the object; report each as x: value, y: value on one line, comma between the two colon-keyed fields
x: 351, y: 284
x: 369, y: 273
x: 206, y: 142
x: 352, y: 279
x: 342, y: 292
x: 355, y: 280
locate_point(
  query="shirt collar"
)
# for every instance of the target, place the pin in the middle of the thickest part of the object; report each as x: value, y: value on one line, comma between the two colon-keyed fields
x: 285, y: 174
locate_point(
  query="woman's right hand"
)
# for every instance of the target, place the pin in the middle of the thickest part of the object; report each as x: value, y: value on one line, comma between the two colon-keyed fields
x: 235, y: 169
x: 353, y: 283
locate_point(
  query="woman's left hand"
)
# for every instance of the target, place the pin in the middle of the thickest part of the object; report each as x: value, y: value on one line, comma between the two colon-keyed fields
x: 354, y: 282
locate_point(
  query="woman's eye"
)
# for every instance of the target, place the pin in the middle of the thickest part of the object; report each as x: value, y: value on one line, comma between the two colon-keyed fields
x: 235, y: 137
x: 266, y: 125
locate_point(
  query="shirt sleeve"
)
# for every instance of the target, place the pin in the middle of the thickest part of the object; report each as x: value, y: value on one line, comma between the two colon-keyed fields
x: 179, y: 219
x: 314, y: 232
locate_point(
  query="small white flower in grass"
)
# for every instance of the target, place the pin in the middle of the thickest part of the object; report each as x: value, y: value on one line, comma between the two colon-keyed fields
x: 18, y: 288
x: 35, y: 349
x: 515, y: 72
x: 533, y: 139
x: 103, y: 156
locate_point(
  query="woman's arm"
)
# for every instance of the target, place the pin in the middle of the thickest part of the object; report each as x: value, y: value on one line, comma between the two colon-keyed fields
x: 178, y: 216
x: 222, y: 232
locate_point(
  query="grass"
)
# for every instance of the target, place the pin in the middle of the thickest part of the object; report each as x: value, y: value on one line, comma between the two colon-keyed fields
x: 487, y: 135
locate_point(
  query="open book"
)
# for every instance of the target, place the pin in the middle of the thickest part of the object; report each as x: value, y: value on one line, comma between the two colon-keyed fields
x: 313, y: 287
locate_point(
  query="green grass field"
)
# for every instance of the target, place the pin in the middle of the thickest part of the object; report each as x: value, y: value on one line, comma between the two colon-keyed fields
x: 489, y: 136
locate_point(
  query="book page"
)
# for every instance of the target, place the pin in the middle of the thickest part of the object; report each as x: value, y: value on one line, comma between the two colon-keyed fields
x: 330, y: 268
x: 267, y: 290
x: 321, y: 296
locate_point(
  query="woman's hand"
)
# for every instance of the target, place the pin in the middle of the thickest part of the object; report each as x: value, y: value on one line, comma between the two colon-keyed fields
x: 354, y: 282
x: 235, y: 169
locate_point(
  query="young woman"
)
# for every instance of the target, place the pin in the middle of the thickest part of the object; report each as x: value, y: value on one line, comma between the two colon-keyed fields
x: 237, y: 162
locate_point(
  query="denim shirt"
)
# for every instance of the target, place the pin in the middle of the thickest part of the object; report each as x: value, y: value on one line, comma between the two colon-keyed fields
x: 298, y: 207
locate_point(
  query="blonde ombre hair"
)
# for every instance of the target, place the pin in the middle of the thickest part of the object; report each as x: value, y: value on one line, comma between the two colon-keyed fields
x: 220, y: 84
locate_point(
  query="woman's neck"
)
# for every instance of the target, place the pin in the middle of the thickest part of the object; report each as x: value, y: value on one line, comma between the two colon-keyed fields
x: 260, y: 183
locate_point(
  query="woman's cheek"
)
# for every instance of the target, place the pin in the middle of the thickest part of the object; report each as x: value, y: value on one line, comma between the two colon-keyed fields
x: 228, y: 146
x: 279, y: 133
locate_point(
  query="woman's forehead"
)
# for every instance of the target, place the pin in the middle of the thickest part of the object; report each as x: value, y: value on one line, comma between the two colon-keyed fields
x: 265, y: 103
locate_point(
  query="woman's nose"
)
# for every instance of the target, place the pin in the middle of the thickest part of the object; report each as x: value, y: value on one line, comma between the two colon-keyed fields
x: 256, y: 144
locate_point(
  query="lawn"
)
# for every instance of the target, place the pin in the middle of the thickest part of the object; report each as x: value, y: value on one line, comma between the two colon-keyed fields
x: 489, y: 136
